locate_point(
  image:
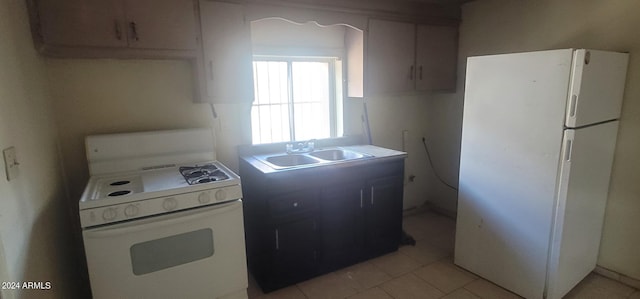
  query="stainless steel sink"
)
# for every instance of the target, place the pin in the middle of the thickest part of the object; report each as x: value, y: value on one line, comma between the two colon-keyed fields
x: 312, y: 159
x: 291, y: 160
x: 337, y: 154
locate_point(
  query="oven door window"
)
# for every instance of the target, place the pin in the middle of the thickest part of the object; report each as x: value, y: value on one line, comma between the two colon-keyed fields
x: 163, y: 253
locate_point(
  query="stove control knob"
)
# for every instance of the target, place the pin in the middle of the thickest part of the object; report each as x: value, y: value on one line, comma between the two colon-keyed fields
x: 221, y: 195
x: 169, y: 204
x: 204, y: 198
x: 109, y: 214
x: 131, y: 210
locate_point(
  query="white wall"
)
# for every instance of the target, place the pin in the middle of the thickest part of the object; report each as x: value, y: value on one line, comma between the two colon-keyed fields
x: 98, y: 96
x: 290, y: 38
x: 389, y: 116
x: 500, y: 26
x: 36, y: 242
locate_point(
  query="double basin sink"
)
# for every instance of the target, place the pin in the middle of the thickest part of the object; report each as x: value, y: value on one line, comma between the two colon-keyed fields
x: 318, y: 157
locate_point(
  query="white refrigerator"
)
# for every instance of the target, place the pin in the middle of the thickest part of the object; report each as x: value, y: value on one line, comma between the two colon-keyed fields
x: 538, y: 138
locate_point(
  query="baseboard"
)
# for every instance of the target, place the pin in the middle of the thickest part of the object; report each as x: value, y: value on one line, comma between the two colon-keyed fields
x: 439, y: 210
x: 415, y: 210
x: 632, y: 282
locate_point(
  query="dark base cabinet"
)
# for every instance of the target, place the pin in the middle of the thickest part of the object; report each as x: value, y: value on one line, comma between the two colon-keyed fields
x: 383, y: 228
x: 306, y: 222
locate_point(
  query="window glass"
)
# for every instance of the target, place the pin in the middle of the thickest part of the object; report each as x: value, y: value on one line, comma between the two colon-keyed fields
x: 294, y: 99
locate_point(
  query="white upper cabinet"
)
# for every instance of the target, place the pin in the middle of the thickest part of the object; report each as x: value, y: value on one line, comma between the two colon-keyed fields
x: 148, y: 24
x: 354, y: 46
x: 161, y: 24
x: 228, y: 56
x: 405, y: 57
x: 92, y: 23
x: 436, y: 57
x: 391, y: 57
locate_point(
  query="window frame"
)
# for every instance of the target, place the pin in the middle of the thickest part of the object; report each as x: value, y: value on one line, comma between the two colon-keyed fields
x: 333, y: 101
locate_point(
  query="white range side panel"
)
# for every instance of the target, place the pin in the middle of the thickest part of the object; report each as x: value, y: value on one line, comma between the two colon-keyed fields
x: 511, y: 141
x: 597, y: 87
x: 584, y: 183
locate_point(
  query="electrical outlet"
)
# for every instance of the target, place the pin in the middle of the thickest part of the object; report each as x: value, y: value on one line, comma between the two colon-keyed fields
x: 10, y: 163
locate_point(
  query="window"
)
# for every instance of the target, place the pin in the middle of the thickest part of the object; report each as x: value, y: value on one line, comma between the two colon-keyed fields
x: 295, y: 99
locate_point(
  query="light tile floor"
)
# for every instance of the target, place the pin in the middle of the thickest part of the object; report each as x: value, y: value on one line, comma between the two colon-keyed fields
x: 423, y: 271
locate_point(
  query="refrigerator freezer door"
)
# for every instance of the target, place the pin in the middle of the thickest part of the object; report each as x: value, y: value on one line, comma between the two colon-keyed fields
x: 511, y: 141
x: 597, y: 87
x: 582, y: 194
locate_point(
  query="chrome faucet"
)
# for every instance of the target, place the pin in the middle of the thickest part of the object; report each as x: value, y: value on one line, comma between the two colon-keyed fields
x: 301, y: 147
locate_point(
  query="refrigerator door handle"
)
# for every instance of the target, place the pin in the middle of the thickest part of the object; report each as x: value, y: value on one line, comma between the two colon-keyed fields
x: 569, y: 148
x: 574, y: 104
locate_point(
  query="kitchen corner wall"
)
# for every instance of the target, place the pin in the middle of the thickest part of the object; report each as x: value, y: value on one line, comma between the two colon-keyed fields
x: 99, y: 96
x: 389, y: 116
x: 36, y: 239
x: 502, y: 26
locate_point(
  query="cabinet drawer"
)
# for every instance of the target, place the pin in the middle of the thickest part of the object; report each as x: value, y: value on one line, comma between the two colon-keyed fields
x: 294, y: 202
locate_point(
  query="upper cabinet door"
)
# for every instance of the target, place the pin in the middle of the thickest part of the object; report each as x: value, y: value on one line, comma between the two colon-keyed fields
x: 597, y: 87
x: 228, y: 56
x: 391, y: 56
x: 436, y: 57
x: 82, y: 23
x: 161, y: 24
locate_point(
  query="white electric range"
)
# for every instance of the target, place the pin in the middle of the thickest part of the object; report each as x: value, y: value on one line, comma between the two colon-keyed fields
x: 162, y: 218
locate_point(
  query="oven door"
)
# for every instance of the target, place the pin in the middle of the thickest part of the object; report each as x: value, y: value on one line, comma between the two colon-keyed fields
x: 198, y: 253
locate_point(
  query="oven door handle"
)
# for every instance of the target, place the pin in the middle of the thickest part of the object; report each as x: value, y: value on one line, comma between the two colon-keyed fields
x: 162, y: 220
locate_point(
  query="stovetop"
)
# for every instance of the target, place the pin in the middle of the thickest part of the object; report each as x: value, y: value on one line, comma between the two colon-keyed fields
x: 104, y: 190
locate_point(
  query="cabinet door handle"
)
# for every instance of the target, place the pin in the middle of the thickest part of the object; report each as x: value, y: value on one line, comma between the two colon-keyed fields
x: 411, y: 73
x: 361, y: 198
x: 134, y: 31
x: 371, y: 195
x: 277, y: 241
x: 420, y: 73
x: 117, y: 30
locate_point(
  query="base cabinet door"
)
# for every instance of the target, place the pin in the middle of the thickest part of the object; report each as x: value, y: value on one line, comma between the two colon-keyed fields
x: 295, y: 251
x: 383, y: 215
x: 291, y: 237
x: 341, y: 225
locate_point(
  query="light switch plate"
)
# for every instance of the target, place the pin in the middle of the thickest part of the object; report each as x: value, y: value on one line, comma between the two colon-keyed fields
x: 10, y: 163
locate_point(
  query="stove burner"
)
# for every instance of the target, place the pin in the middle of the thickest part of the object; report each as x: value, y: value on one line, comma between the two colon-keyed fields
x: 198, y: 173
x: 120, y: 183
x: 202, y: 174
x: 119, y: 193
